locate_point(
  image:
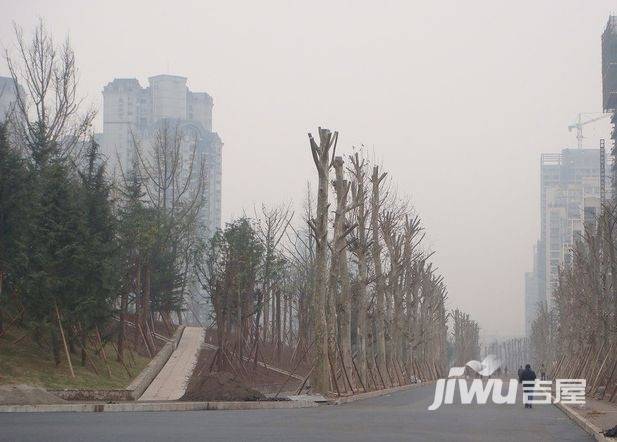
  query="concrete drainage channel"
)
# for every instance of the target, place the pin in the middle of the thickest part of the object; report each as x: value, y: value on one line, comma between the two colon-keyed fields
x: 195, y: 406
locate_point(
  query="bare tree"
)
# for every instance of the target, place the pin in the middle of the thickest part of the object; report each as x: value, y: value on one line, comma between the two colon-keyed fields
x: 380, y: 288
x: 466, y: 338
x: 46, y: 117
x: 271, y: 227
x: 173, y: 176
x: 412, y: 262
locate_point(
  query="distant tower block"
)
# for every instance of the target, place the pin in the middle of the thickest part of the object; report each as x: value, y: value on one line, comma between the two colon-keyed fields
x: 609, y: 65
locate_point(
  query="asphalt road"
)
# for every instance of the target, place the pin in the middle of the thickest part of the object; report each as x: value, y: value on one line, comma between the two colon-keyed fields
x: 401, y: 416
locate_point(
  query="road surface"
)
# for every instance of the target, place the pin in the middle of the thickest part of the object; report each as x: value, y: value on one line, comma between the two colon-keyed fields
x: 401, y: 416
x: 170, y: 384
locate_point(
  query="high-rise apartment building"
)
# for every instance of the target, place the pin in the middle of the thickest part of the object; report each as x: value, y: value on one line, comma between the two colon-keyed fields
x: 132, y: 113
x: 569, y: 200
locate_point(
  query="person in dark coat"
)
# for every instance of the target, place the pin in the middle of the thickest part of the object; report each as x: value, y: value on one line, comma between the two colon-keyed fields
x: 527, y: 375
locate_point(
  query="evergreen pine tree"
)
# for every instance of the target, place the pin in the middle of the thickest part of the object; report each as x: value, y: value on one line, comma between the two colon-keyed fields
x: 99, y: 261
x: 14, y: 220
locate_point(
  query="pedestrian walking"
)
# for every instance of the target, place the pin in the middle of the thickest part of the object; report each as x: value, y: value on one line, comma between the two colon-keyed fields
x: 527, y: 375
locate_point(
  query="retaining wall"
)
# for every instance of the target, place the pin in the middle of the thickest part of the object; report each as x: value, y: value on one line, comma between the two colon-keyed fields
x: 93, y: 395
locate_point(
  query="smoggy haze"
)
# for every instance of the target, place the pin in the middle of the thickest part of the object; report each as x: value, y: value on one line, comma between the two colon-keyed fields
x: 457, y: 99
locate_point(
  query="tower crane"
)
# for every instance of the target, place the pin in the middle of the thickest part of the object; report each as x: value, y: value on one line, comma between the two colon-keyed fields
x: 579, y: 123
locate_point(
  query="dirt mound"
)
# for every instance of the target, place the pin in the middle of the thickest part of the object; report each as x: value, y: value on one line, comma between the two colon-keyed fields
x: 220, y: 386
x: 257, y: 377
x: 22, y: 394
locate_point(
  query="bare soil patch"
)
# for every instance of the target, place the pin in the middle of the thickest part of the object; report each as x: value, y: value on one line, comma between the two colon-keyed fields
x: 221, y: 386
x: 239, y: 383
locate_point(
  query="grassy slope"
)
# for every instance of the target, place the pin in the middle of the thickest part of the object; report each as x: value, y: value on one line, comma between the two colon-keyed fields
x: 27, y: 363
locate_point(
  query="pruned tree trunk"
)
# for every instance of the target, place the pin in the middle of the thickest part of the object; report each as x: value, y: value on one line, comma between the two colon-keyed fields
x: 380, y: 290
x: 341, y: 230
x: 320, y: 380
x: 360, y: 250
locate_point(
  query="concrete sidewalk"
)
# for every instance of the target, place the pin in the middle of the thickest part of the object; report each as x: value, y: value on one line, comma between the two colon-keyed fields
x: 170, y: 384
x: 594, y: 416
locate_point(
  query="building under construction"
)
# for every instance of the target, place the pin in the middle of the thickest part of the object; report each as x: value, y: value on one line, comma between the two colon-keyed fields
x: 570, y: 199
x: 609, y: 65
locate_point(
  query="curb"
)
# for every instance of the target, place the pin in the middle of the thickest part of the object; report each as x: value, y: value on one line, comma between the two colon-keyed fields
x: 194, y: 406
x: 377, y: 393
x: 583, y: 423
x: 154, y: 406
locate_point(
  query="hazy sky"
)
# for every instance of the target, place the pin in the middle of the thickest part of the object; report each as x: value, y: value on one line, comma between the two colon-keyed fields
x: 457, y: 98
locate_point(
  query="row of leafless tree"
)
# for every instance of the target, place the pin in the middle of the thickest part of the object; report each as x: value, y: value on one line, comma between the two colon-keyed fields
x: 363, y: 288
x: 377, y: 306
x: 348, y: 296
x: 577, y: 335
x: 465, y: 338
x: 513, y: 354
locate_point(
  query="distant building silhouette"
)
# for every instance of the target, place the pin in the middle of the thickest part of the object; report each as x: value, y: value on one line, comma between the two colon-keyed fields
x: 8, y: 96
